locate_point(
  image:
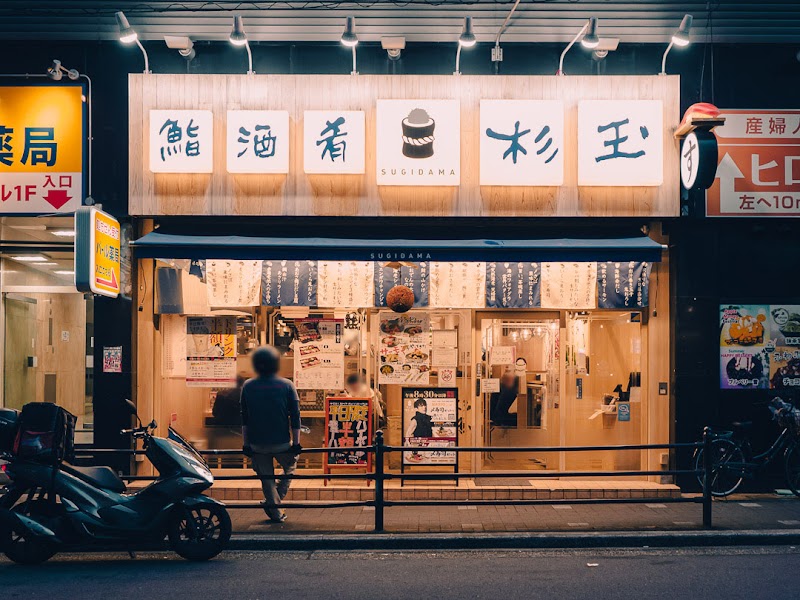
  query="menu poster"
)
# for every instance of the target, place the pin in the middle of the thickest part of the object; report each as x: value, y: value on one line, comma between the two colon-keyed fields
x: 210, y: 351
x: 289, y: 283
x: 112, y: 359
x: 233, y: 282
x: 623, y: 284
x: 348, y: 425
x: 502, y: 355
x: 784, y: 346
x: 345, y: 284
x: 413, y: 277
x: 319, y: 354
x: 430, y: 417
x: 744, y: 352
x: 569, y: 285
x: 513, y: 285
x: 405, y: 348
x: 458, y: 284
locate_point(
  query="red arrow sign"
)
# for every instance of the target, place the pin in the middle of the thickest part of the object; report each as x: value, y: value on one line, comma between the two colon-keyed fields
x: 57, y: 198
x: 109, y: 284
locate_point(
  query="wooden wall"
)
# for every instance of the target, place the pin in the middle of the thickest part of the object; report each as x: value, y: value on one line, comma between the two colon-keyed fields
x: 221, y: 193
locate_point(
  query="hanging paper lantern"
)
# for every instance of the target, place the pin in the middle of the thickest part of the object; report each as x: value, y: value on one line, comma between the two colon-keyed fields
x: 400, y: 298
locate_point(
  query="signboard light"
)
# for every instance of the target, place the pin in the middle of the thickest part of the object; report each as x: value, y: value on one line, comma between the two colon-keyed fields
x: 97, y: 252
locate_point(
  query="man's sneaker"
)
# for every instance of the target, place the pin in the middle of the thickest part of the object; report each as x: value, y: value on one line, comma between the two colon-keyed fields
x: 280, y: 519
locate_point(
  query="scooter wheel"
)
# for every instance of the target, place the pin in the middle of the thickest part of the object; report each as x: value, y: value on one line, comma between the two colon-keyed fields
x: 199, y: 533
x: 23, y: 548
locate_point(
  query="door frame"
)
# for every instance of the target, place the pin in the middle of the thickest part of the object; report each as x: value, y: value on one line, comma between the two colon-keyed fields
x: 515, y: 314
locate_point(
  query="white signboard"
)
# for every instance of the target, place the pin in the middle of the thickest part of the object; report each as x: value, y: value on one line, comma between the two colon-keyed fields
x: 458, y: 285
x: 233, y: 282
x: 418, y: 142
x: 522, y: 142
x: 333, y: 141
x: 569, y: 285
x: 345, y: 284
x: 181, y: 141
x: 258, y: 141
x: 319, y: 355
x: 620, y: 143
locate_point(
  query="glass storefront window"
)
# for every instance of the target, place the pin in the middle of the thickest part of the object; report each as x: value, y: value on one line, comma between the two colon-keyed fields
x: 47, y: 325
x: 604, y: 403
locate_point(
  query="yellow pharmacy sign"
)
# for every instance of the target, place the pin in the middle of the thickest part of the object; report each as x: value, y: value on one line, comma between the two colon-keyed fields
x: 97, y: 252
x: 42, y: 147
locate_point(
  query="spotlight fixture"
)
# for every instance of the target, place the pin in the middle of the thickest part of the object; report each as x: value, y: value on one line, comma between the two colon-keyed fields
x: 350, y: 39
x: 128, y: 35
x: 588, y: 38
x: 239, y: 38
x: 56, y: 71
x: 183, y: 44
x: 465, y: 40
x: 680, y: 38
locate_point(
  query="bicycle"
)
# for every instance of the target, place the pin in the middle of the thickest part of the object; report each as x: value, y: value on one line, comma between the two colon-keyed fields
x: 733, y: 459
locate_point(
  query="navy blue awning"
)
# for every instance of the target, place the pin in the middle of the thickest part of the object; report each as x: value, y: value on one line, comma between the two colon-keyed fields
x: 166, y: 245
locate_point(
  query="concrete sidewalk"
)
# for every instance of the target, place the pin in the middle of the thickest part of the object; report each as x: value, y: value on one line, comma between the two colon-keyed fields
x: 765, y: 512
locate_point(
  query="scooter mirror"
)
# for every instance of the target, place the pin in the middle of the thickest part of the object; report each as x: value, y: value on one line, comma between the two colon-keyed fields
x: 131, y: 407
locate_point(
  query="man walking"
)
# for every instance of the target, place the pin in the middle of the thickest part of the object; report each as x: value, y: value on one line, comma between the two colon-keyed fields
x: 270, y: 408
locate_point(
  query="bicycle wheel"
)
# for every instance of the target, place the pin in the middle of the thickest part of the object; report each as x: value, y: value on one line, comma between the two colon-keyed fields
x: 792, y: 460
x: 727, y: 470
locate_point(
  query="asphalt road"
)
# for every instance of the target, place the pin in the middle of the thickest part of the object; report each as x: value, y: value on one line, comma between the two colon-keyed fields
x: 725, y: 573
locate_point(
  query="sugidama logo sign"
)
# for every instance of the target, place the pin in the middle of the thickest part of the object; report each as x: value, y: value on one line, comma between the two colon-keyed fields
x: 418, y: 142
x: 402, y: 255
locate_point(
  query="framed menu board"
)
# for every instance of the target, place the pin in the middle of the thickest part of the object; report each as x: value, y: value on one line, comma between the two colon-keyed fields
x: 348, y: 425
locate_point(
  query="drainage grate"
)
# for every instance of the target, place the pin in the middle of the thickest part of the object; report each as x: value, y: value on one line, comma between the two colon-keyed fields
x: 500, y: 481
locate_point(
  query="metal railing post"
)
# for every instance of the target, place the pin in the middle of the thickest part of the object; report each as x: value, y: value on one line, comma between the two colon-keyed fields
x: 379, y: 465
x: 708, y: 463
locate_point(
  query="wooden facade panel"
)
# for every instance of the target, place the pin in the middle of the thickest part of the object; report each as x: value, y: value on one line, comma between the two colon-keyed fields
x: 222, y: 193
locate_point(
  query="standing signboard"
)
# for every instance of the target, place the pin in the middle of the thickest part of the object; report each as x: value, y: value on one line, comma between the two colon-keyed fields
x: 97, y: 252
x: 42, y: 149
x: 348, y: 425
x: 430, y: 422
x: 759, y: 168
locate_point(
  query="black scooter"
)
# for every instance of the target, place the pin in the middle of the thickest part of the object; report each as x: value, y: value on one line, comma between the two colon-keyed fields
x: 49, y: 508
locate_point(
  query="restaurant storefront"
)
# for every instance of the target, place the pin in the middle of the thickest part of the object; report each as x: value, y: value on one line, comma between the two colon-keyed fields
x: 545, y: 321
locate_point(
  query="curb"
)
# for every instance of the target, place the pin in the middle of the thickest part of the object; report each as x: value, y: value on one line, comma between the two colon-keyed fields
x: 483, y: 541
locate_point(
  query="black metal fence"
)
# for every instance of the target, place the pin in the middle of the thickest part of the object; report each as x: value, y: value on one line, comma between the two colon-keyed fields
x: 380, y: 476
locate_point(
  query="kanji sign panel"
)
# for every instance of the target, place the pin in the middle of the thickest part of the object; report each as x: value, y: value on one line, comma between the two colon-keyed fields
x: 181, y: 141
x: 333, y: 141
x: 97, y: 252
x: 258, y: 141
x: 348, y: 425
x: 620, y: 143
x: 41, y: 149
x: 759, y: 168
x: 522, y: 142
x: 418, y: 142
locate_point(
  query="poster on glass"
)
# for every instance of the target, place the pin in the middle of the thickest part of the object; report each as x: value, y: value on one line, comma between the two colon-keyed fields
x: 319, y: 355
x: 430, y: 422
x: 405, y: 348
x: 210, y: 351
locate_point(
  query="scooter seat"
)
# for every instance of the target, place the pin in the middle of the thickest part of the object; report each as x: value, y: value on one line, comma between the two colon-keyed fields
x: 742, y: 425
x: 102, y: 477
